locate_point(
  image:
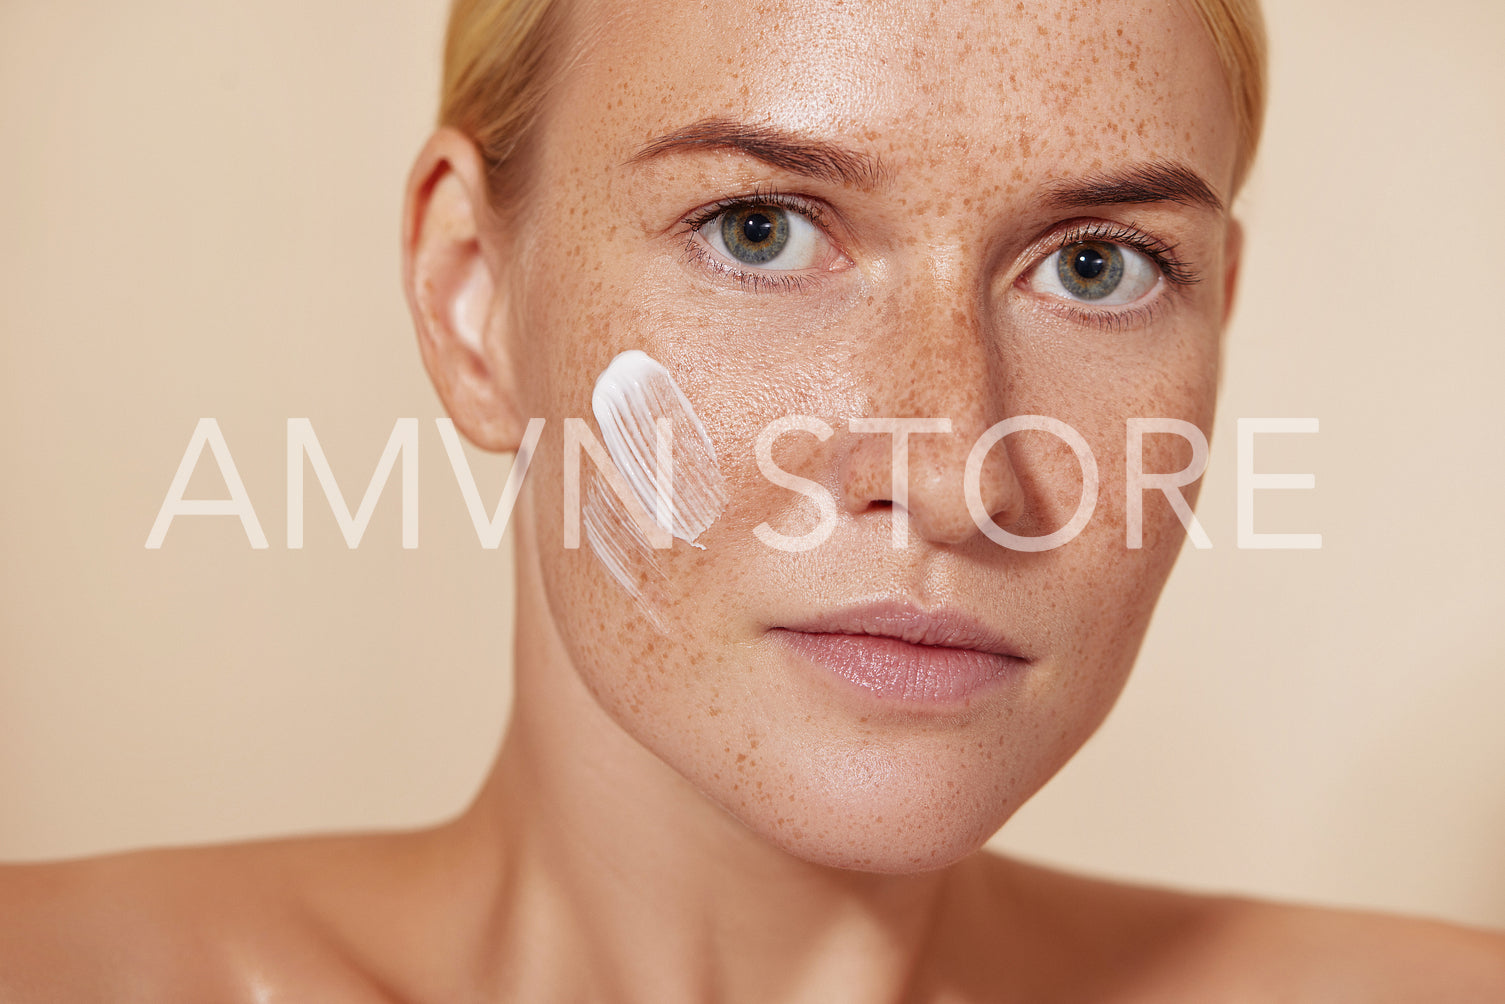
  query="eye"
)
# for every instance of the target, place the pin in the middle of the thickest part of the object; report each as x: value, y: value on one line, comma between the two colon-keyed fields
x: 765, y: 236
x: 1099, y: 273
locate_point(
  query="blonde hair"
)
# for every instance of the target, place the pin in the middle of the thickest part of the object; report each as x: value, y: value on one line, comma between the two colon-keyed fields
x: 500, y: 59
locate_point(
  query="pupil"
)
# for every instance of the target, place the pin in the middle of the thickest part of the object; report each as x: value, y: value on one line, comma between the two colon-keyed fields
x: 1089, y: 264
x: 757, y: 228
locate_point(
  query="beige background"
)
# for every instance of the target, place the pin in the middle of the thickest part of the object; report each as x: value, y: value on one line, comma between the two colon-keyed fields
x: 199, y: 205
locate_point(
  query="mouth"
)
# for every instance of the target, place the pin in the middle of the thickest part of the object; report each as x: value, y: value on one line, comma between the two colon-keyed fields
x: 900, y: 653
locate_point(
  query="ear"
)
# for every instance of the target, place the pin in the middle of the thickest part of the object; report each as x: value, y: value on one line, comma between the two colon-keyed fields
x: 453, y: 290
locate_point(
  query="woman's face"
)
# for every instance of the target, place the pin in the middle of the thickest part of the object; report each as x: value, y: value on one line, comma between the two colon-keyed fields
x: 928, y: 163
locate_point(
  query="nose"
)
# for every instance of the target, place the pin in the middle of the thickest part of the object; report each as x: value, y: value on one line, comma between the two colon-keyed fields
x: 939, y: 388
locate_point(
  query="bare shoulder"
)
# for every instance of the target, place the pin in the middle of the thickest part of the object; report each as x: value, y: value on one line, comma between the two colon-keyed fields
x: 1147, y: 943
x: 1349, y: 955
x: 233, y: 923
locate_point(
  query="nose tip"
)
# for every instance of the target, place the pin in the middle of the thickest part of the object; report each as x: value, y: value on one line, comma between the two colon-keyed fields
x: 916, y: 469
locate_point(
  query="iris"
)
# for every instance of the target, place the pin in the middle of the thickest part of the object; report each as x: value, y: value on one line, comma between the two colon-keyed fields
x: 1091, y: 270
x: 755, y: 235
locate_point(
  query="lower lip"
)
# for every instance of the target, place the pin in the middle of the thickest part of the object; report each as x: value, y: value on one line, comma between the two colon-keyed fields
x: 898, y: 671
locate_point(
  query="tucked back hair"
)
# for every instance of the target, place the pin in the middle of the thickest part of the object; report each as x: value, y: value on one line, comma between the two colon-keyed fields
x: 497, y: 58
x: 500, y: 57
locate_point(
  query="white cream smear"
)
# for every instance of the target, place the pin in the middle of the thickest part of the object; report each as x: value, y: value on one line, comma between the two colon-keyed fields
x: 660, y: 447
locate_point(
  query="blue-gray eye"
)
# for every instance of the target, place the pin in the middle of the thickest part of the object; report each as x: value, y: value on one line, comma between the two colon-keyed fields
x: 1099, y: 273
x: 755, y: 235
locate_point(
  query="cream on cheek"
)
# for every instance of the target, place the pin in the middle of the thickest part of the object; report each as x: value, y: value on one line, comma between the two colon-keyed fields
x: 668, y: 467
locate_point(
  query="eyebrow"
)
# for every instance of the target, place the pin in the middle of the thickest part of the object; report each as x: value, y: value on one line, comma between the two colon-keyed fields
x: 1159, y: 181
x: 777, y: 147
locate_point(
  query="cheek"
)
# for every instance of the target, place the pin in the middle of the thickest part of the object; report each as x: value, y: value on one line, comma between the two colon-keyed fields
x: 1099, y: 593
x: 650, y: 651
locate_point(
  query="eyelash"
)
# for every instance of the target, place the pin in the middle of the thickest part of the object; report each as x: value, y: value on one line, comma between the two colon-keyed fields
x: 762, y: 281
x: 1163, y: 254
x: 1176, y: 272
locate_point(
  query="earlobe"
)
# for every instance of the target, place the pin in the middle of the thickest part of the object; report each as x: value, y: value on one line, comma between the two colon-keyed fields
x: 452, y: 291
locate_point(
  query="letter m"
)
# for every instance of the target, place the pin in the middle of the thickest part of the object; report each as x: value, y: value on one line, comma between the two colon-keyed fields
x: 302, y: 442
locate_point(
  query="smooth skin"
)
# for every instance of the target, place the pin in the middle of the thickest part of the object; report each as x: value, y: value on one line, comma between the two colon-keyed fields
x: 697, y: 813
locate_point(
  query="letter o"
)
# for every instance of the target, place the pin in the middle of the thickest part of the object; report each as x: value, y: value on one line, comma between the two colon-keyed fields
x: 972, y: 482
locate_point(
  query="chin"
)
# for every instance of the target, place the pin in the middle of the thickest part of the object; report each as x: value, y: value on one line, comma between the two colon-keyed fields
x: 902, y: 848
x: 881, y: 814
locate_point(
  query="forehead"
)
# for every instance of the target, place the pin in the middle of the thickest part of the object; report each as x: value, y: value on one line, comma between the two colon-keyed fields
x: 998, y: 89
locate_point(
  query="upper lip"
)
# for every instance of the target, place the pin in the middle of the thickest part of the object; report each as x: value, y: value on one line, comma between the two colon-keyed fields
x: 909, y: 623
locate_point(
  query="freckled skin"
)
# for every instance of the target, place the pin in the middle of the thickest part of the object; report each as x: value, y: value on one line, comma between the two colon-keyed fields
x: 692, y: 813
x: 923, y: 317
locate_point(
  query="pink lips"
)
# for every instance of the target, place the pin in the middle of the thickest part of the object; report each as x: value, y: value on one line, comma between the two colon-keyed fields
x: 899, y: 652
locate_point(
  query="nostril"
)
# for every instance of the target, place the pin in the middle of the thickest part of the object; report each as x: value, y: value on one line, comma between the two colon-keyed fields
x: 866, y: 483
x: 943, y: 525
